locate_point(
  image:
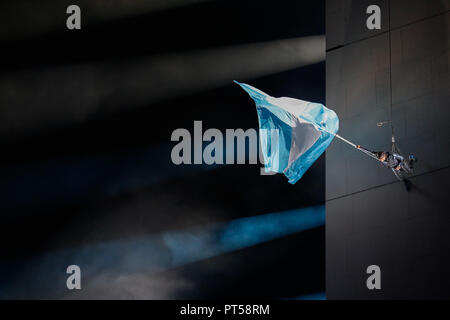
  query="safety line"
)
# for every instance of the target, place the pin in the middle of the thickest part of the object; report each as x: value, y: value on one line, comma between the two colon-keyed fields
x: 390, y: 71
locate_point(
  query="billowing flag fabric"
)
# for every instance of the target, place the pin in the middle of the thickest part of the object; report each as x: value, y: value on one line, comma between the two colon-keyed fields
x: 293, y: 133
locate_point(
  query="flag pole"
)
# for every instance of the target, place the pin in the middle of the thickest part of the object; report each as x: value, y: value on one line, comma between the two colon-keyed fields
x: 345, y: 140
x: 358, y: 147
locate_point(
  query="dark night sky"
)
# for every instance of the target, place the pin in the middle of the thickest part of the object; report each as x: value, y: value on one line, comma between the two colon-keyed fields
x: 86, y: 177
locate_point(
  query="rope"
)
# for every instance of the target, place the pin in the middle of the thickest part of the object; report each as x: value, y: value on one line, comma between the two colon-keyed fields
x: 394, y: 147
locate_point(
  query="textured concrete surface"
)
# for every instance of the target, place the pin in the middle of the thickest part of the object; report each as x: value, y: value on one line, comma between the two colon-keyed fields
x: 371, y: 218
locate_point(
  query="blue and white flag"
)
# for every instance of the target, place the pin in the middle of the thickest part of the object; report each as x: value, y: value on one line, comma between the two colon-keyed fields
x: 304, y: 130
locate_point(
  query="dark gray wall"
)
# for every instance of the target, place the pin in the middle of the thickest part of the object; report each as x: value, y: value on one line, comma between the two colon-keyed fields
x: 371, y: 218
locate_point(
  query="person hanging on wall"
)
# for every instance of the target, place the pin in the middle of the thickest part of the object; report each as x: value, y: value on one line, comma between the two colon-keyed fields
x: 394, y: 161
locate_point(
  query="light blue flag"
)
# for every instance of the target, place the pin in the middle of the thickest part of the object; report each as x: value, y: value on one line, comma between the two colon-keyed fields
x: 293, y: 133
